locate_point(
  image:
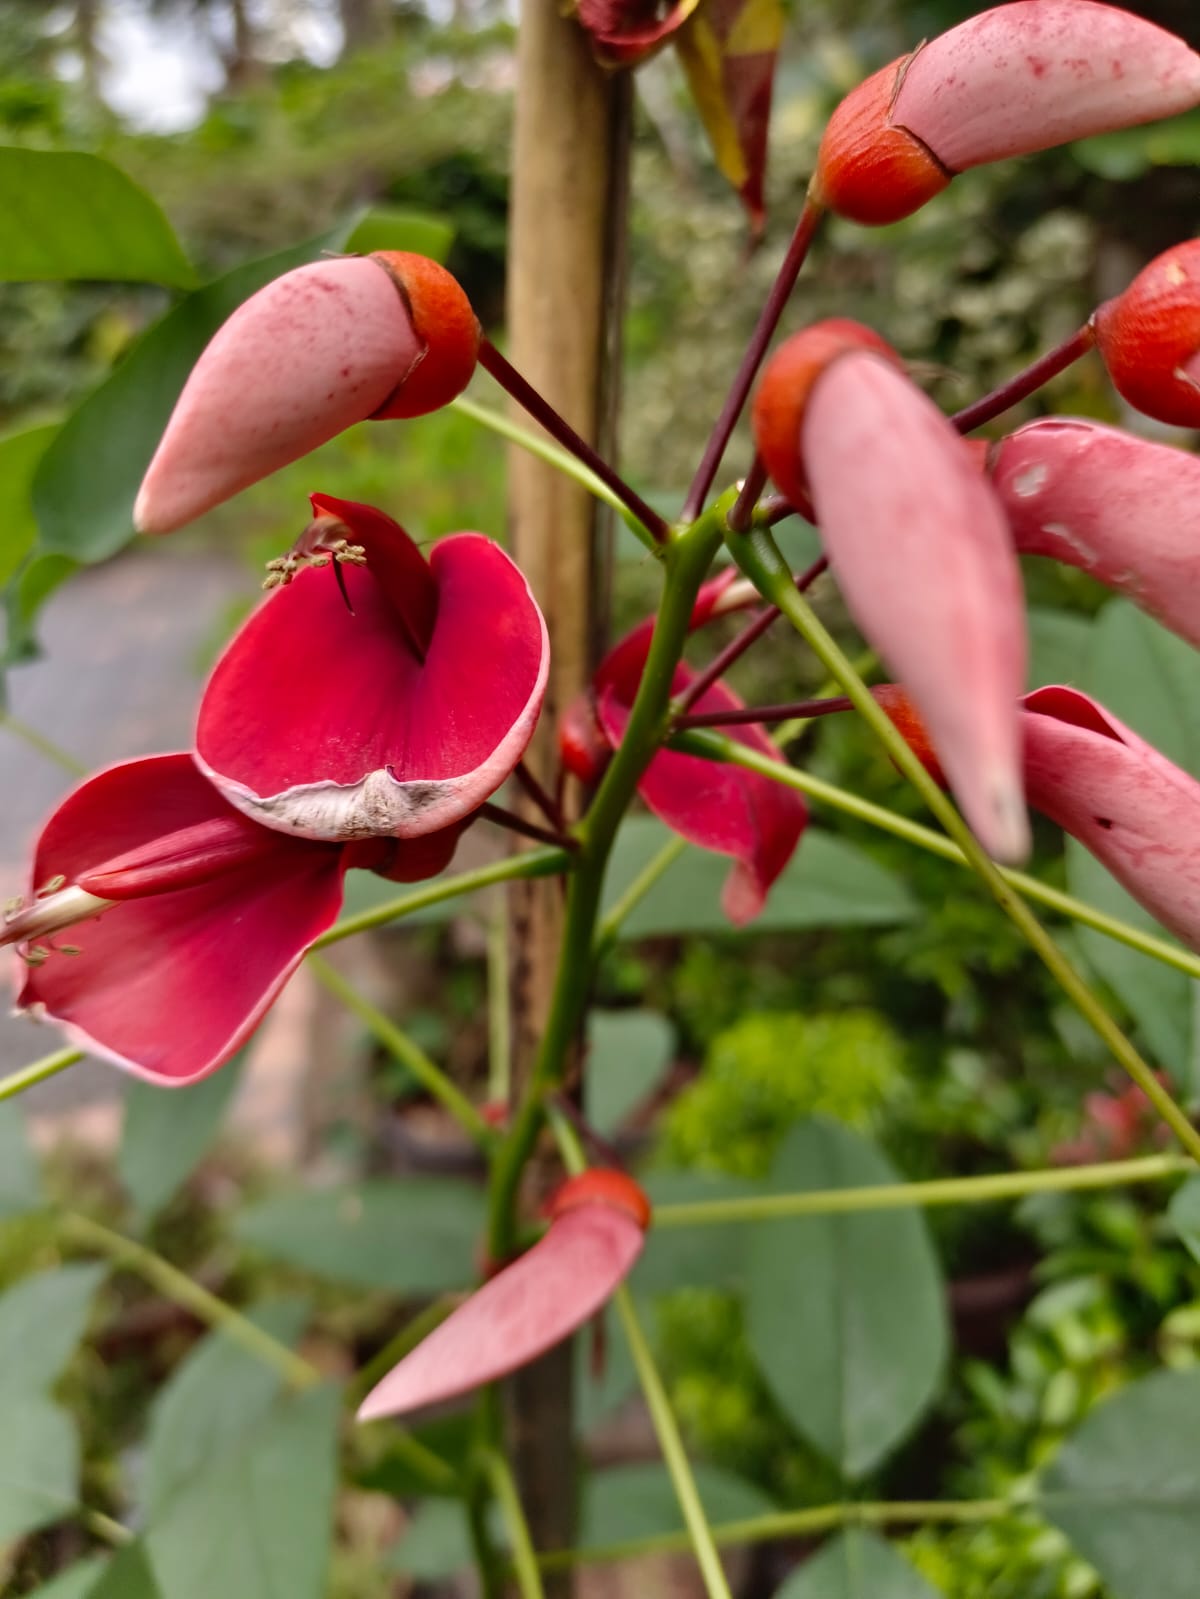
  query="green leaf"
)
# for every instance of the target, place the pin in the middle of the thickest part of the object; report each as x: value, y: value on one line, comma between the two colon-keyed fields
x: 210, y: 1400
x: 628, y: 1052
x: 416, y: 1236
x: 84, y: 489
x: 166, y: 1132
x: 259, y: 1521
x: 1058, y: 642
x: 640, y: 1501
x: 76, y: 1582
x: 19, y: 1181
x: 856, y: 1565
x: 389, y: 227
x: 127, y: 1576
x: 845, y: 1314
x: 436, y: 1544
x: 68, y: 215
x: 39, y: 1465
x: 829, y: 884
x: 693, y: 1257
x: 1144, y: 675
x: 1184, y: 1213
x: 23, y: 601
x: 19, y: 456
x: 42, y: 1319
x: 1125, y: 1488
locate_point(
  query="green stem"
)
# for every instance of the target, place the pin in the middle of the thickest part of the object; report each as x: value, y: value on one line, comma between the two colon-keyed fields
x: 558, y: 458
x: 48, y: 1066
x: 104, y: 1527
x: 688, y: 558
x: 431, y: 1077
x: 394, y: 1351
x: 487, y: 1560
x: 499, y: 1010
x: 44, y: 746
x: 530, y: 863
x: 715, y: 747
x: 941, y: 1191
x: 180, y: 1289
x: 759, y: 557
x: 654, y: 869
x: 524, y: 1557
x: 792, y: 1524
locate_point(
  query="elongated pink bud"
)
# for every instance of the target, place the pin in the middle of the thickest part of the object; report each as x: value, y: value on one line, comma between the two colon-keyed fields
x: 1013, y: 80
x: 595, y: 1237
x: 923, y: 555
x: 1119, y: 507
x: 1136, y: 811
x: 320, y: 348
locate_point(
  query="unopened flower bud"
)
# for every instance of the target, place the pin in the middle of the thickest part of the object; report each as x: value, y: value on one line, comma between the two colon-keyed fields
x: 1149, y: 337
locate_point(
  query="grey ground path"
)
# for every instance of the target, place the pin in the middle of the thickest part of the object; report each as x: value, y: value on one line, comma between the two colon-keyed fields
x: 125, y: 648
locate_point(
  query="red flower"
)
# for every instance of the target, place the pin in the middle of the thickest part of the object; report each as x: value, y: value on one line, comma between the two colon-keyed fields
x: 397, y: 713
x: 598, y: 1222
x: 718, y: 807
x: 193, y: 917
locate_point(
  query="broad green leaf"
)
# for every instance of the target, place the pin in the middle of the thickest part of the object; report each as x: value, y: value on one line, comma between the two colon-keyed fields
x: 23, y: 601
x: 166, y: 1132
x: 42, y: 1319
x: 259, y: 1521
x: 436, y: 1544
x: 127, y: 1576
x: 19, y: 1182
x: 76, y: 1582
x: 640, y: 1501
x: 1144, y: 675
x: 19, y: 456
x: 389, y: 227
x: 211, y: 1398
x: 628, y: 1052
x: 1184, y: 1213
x: 845, y: 1314
x: 415, y: 1236
x: 1058, y: 643
x: 39, y: 1465
x: 829, y: 884
x: 365, y: 891
x: 84, y: 489
x: 68, y: 215
x: 1125, y: 1488
x: 693, y: 1257
x: 856, y: 1565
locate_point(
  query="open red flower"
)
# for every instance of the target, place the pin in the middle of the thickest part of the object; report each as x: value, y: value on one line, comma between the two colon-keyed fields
x: 394, y: 709
x: 192, y: 917
x: 598, y: 1223
x: 721, y: 808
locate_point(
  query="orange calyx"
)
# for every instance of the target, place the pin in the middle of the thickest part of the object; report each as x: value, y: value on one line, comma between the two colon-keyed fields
x: 1149, y: 337
x: 442, y: 318
x: 903, y: 715
x: 787, y: 382
x: 868, y: 169
x: 601, y: 1186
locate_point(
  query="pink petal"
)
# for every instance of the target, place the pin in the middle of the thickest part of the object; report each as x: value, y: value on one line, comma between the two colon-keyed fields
x: 1136, y: 811
x: 170, y: 986
x: 528, y: 1308
x: 1119, y: 507
x: 318, y: 349
x: 324, y: 723
x: 1038, y: 73
x: 923, y: 555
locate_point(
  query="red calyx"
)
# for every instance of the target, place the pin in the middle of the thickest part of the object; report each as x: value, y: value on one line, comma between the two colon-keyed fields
x: 601, y: 1186
x: 443, y: 319
x: 1149, y: 337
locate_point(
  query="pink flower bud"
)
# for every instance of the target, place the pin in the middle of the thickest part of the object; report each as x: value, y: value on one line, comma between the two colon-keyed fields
x: 1121, y: 508
x: 1015, y: 79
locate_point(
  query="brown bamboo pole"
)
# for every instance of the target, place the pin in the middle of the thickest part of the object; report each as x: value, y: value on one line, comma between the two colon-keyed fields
x: 565, y: 267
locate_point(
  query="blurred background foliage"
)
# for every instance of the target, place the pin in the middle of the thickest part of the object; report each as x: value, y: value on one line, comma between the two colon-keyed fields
x: 921, y: 1022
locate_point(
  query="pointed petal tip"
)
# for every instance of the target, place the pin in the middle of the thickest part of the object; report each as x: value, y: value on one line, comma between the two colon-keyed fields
x: 1003, y: 828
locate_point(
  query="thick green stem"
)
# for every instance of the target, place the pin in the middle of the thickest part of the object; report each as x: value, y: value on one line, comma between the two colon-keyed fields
x: 759, y: 557
x: 941, y: 1191
x: 531, y: 863
x: 688, y: 558
x: 431, y: 1077
x: 524, y: 1557
x: 48, y: 1066
x: 792, y: 1524
x: 716, y: 747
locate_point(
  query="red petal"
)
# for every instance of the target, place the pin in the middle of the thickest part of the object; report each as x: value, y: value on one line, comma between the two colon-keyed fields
x: 721, y: 808
x: 169, y: 987
x: 321, y: 721
x: 528, y: 1308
